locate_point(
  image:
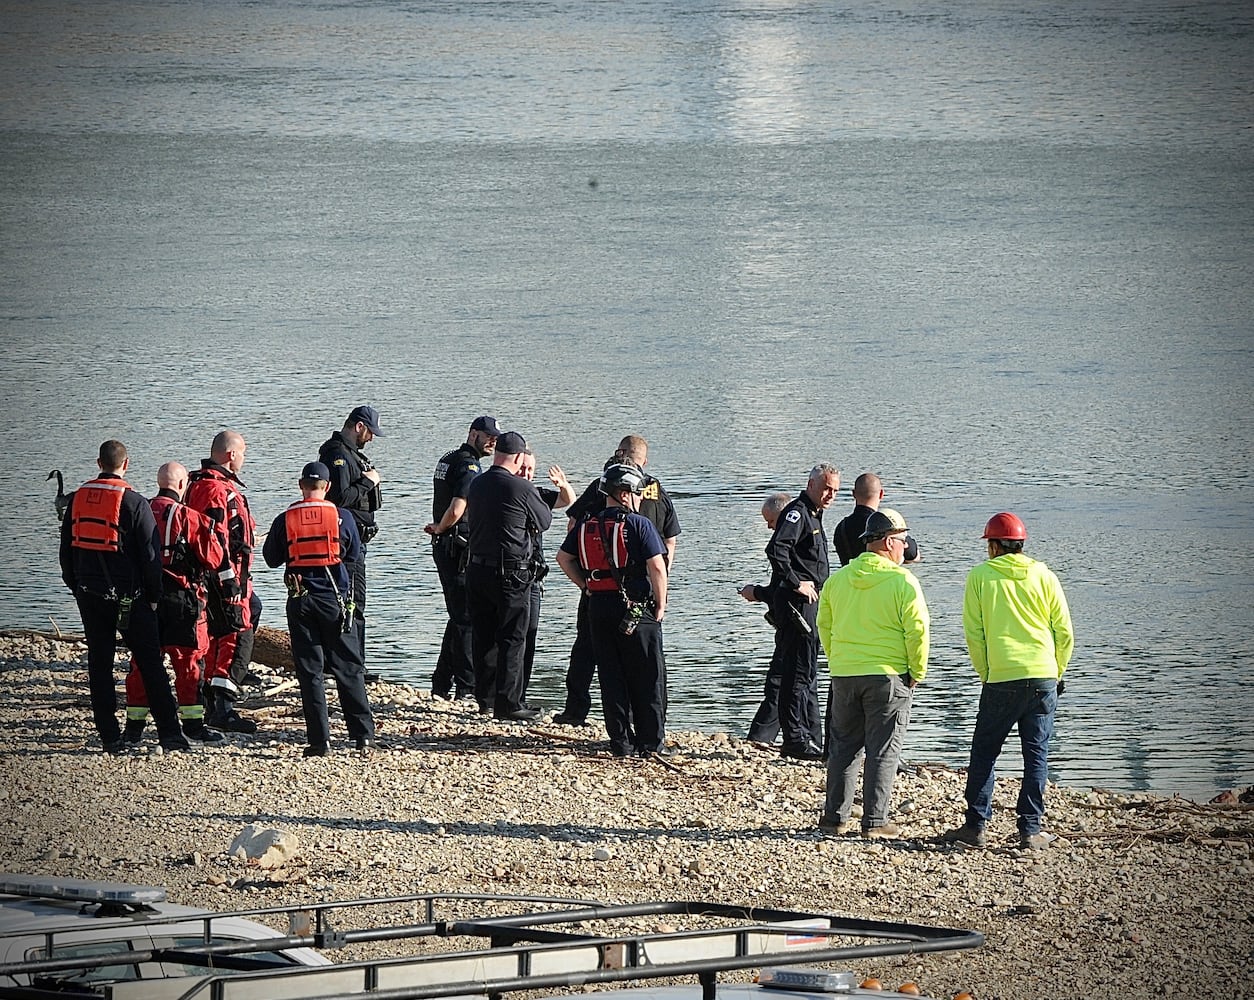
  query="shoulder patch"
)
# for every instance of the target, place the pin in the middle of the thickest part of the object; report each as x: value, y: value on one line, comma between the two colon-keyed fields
x: 338, y: 461
x: 793, y: 516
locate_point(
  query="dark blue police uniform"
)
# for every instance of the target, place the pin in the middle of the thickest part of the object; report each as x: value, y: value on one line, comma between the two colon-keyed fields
x: 350, y: 490
x: 797, y: 551
x: 503, y: 511
x: 454, y: 671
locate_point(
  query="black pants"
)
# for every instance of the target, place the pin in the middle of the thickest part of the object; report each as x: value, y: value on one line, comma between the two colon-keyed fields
x: 583, y: 666
x: 100, y: 627
x: 533, y: 627
x: 798, y: 654
x: 765, y: 725
x: 319, y: 642
x: 632, y: 670
x: 500, y: 612
x: 454, y: 670
x: 357, y: 585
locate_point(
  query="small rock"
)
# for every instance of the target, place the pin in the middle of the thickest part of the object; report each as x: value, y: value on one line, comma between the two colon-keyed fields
x: 602, y: 854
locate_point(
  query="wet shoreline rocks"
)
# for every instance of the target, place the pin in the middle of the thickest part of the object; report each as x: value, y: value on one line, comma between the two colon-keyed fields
x: 1141, y: 895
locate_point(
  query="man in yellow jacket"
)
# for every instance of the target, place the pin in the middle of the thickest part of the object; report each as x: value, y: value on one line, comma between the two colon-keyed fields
x: 873, y: 623
x: 1018, y: 631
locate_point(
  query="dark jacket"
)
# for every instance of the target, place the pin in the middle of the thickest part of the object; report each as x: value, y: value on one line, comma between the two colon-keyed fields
x: 350, y: 489
x: 798, y: 548
x: 503, y: 511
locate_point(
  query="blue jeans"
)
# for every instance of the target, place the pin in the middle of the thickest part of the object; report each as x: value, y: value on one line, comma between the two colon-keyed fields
x: 1030, y: 705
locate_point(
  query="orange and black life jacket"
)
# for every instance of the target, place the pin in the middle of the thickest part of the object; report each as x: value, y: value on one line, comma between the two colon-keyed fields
x: 595, y: 557
x: 313, y: 534
x: 96, y: 515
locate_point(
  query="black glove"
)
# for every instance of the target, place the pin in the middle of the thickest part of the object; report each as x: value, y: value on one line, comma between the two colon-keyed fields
x: 1061, y: 686
x: 235, y: 615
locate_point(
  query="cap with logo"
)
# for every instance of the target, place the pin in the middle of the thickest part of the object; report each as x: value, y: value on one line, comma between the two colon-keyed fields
x: 367, y: 415
x: 315, y: 470
x: 488, y: 425
x: 883, y: 522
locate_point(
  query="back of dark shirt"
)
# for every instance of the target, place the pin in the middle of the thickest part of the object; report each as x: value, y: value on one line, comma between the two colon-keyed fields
x: 503, y: 511
x: 846, y: 540
x: 453, y: 475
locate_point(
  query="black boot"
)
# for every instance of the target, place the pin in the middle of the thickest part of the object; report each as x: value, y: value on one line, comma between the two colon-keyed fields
x: 133, y: 733
x: 225, y: 717
x: 195, y: 729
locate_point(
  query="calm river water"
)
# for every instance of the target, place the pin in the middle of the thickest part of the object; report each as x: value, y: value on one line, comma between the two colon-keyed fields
x: 997, y: 252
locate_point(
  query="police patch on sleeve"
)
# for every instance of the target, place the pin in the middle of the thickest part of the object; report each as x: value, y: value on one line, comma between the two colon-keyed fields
x: 793, y: 516
x: 338, y: 461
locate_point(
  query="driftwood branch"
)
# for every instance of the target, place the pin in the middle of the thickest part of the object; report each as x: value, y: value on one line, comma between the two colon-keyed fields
x: 272, y: 646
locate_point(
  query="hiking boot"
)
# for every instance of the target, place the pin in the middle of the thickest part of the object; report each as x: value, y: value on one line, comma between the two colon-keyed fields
x: 885, y: 831
x: 834, y: 827
x: 316, y: 751
x: 117, y: 748
x: 230, y: 721
x: 133, y: 732
x: 569, y: 719
x: 802, y: 751
x: 179, y: 745
x: 195, y: 729
x: 1036, y: 841
x: 965, y: 834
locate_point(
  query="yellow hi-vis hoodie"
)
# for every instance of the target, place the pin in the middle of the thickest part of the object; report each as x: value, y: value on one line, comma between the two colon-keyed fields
x: 1016, y: 620
x: 873, y: 619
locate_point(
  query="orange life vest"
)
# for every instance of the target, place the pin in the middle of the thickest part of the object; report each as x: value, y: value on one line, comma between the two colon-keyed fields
x: 313, y: 534
x: 96, y: 515
x: 595, y: 557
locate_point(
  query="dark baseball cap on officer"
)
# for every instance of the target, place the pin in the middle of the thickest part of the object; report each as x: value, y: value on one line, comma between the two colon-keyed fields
x: 488, y: 425
x: 881, y: 523
x: 315, y: 470
x: 511, y: 443
x: 369, y: 416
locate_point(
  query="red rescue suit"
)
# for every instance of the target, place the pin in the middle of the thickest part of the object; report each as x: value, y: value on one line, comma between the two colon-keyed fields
x: 190, y: 548
x: 218, y: 494
x: 95, y: 515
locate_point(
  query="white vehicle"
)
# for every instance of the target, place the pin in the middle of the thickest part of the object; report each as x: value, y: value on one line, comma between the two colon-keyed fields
x: 45, y: 920
x: 566, y: 944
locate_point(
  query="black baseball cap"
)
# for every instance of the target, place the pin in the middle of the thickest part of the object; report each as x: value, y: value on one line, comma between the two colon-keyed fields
x: 488, y: 425
x: 316, y: 470
x: 511, y: 443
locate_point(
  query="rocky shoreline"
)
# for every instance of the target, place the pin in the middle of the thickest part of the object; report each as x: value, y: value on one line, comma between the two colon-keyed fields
x: 1141, y: 895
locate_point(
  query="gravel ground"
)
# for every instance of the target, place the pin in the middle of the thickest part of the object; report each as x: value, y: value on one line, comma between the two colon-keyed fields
x: 1141, y: 896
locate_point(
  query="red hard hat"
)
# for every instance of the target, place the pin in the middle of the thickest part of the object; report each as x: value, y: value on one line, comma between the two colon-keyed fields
x: 1005, y: 525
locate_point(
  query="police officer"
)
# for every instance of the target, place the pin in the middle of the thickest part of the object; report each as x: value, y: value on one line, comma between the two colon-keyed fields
x: 111, y: 560
x: 617, y: 558
x: 868, y: 494
x: 799, y: 564
x: 355, y: 488
x: 454, y: 674
x: 503, y: 511
x: 216, y: 491
x: 765, y: 725
x: 317, y: 541
x: 656, y: 506
x: 562, y: 495
x: 190, y: 548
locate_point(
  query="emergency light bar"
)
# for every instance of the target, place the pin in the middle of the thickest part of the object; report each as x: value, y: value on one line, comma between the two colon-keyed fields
x: 80, y: 890
x: 807, y: 980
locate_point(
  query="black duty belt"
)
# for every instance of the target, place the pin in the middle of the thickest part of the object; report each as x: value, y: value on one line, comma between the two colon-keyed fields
x: 509, y: 564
